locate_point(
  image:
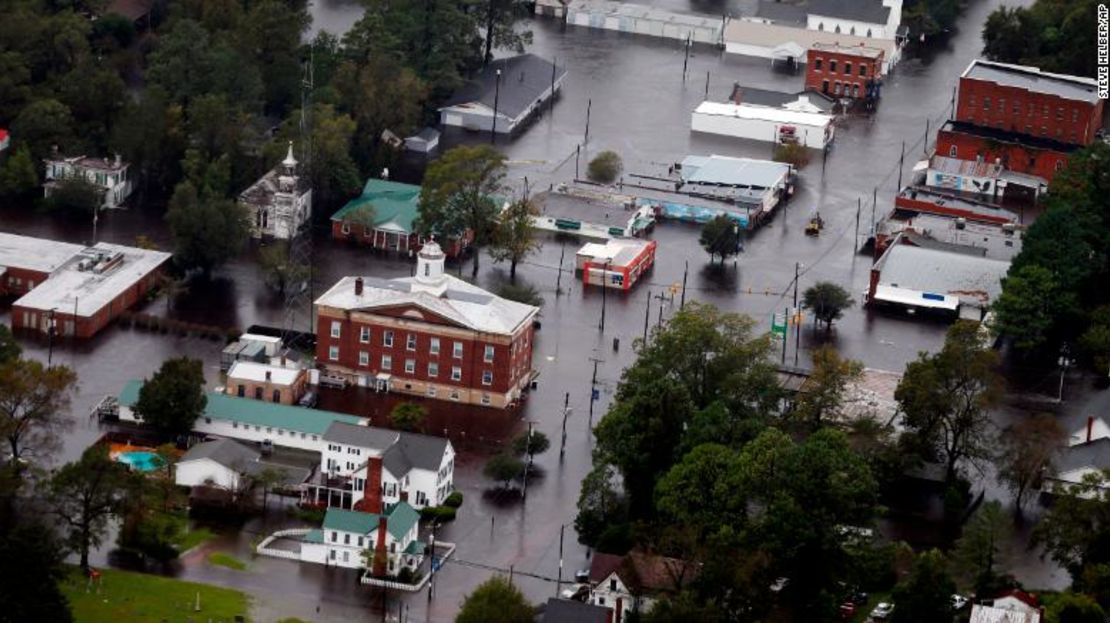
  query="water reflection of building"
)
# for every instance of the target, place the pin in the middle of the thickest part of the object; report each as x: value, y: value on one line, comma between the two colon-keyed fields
x: 280, y: 201
x: 432, y: 335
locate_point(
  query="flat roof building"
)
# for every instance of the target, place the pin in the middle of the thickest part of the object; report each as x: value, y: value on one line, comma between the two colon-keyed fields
x: 517, y: 87
x: 618, y: 263
x: 761, y: 123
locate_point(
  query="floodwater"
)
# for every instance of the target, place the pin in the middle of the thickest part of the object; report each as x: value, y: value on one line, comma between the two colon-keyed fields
x: 639, y: 105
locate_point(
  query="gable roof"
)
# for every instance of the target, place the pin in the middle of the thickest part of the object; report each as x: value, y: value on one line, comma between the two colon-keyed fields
x: 523, y: 79
x: 349, y: 521
x: 869, y: 11
x: 400, y: 451
x: 781, y: 12
x: 226, y: 452
x: 558, y: 610
x: 643, y: 573
x: 392, y: 202
x: 401, y: 518
x: 1029, y: 599
x: 361, y: 436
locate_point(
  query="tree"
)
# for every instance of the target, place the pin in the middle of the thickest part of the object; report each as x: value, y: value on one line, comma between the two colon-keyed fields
x: 495, y: 601
x: 605, y: 168
x: 926, y: 595
x: 77, y: 194
x: 84, y: 494
x: 331, y: 169
x: 1096, y: 340
x: 458, y: 195
x: 504, y: 468
x: 515, y: 236
x: 32, y: 569
x: 408, y: 416
x: 720, y: 236
x: 827, y: 301
x: 33, y: 404
x: 279, y: 268
x: 9, y: 348
x: 44, y: 124
x: 1069, y: 607
x: 601, y: 505
x: 18, y: 174
x: 531, y: 444
x: 1051, y: 35
x: 1075, y: 532
x: 206, y: 231
x: 945, y: 397
x: 1029, y: 449
x: 979, y: 552
x: 823, y: 394
x: 705, y: 490
x: 267, y: 479
x: 181, y: 64
x: 173, y: 398
x: 1007, y: 35
x: 501, y: 30
x: 1028, y: 307
x: 521, y: 293
x: 682, y: 608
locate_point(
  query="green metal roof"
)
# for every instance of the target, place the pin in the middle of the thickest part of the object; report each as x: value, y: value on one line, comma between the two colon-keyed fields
x: 256, y: 412
x: 314, y: 536
x: 393, y: 202
x: 414, y: 548
x: 350, y: 521
x: 402, y: 517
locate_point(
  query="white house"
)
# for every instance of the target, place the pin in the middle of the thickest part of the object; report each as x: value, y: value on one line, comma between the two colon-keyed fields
x: 346, y: 535
x: 632, y: 583
x: 874, y: 19
x: 227, y: 464
x: 111, y: 176
x: 367, y: 467
x: 280, y: 201
x: 763, y: 123
x: 513, y: 89
x: 990, y: 614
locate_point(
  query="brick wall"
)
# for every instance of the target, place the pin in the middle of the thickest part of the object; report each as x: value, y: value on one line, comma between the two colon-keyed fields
x: 1037, y: 114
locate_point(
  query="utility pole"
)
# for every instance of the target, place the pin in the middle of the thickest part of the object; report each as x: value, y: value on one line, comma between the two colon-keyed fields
x: 562, y: 253
x: 874, y: 204
x: 566, y: 412
x: 50, y: 337
x: 528, y: 468
x: 797, y: 325
x: 685, y: 271
x: 554, y: 64
x: 559, y: 581
x: 925, y: 147
x: 859, y: 206
x: 901, y: 165
x: 593, y: 389
x: 662, y: 296
x: 686, y: 60
x: 785, y: 331
x: 496, y: 97
x: 706, y: 85
x: 604, y: 289
x: 589, y: 105
x: 647, y: 315
x: 432, y: 572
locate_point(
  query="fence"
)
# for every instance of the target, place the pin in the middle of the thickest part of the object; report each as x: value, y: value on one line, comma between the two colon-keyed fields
x: 281, y: 553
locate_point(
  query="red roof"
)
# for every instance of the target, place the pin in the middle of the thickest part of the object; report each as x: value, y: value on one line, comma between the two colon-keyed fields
x: 1028, y: 599
x: 3, y: 135
x: 643, y: 573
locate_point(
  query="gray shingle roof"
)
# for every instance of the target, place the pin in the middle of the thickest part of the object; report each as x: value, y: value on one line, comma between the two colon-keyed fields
x: 361, y: 436
x: 568, y: 611
x: 870, y: 11
x: 780, y: 12
x: 226, y: 452
x: 523, y: 79
x: 1094, y: 454
x: 290, y: 475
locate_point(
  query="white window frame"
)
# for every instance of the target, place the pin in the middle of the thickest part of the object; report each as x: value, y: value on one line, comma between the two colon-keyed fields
x: 487, y: 377
x: 487, y: 356
x: 410, y: 342
x: 387, y: 339
x: 333, y: 353
x: 410, y: 366
x: 433, y: 369
x: 364, y: 335
x: 433, y: 347
x: 387, y: 362
x: 456, y: 373
x: 457, y: 350
x: 336, y: 328
x: 363, y: 358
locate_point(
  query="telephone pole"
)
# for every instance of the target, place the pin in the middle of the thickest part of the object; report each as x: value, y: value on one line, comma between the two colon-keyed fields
x: 566, y: 412
x: 593, y: 389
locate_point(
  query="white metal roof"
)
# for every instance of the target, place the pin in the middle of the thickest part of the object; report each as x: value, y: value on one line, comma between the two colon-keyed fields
x: 85, y: 292
x: 728, y: 171
x: 619, y: 251
x: 915, y: 298
x: 990, y: 614
x: 776, y: 115
x: 971, y: 278
x: 36, y: 254
x: 256, y: 372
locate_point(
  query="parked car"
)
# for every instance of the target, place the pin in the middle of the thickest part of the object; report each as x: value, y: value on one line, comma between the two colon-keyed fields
x: 577, y: 593
x: 848, y: 610
x: 582, y: 576
x: 958, y: 602
x: 882, y: 611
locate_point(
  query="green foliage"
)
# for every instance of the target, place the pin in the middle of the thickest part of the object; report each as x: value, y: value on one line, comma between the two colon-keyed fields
x: 76, y: 194
x: 705, y: 490
x: 504, y: 468
x: 116, y: 28
x: 930, y: 17
x: 945, y: 397
x: 34, y: 408
x: 279, y: 269
x: 824, y: 392
x: 794, y: 154
x: 31, y: 565
x: 130, y: 596
x: 206, y: 231
x: 601, y: 505
x: 44, y: 124
x: 18, y: 174
x: 514, y: 237
x: 926, y: 595
x: 1030, y: 304
x: 84, y: 495
x: 173, y: 398
x: 1069, y: 607
x: 439, y: 513
x: 605, y: 168
x: 332, y: 171
x: 454, y: 500
x: 1055, y: 36
x: 458, y: 194
x: 408, y: 416
x: 979, y: 552
x: 495, y: 601
x: 720, y: 236
x: 1095, y: 341
x: 9, y: 348
x: 682, y: 608
x: 521, y: 293
x: 221, y: 559
x: 827, y: 301
x: 536, y: 443
x: 1029, y: 450
x: 1075, y: 532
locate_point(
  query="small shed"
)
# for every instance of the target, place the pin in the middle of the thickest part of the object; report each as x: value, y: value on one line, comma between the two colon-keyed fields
x: 761, y: 123
x: 424, y: 141
x: 618, y: 263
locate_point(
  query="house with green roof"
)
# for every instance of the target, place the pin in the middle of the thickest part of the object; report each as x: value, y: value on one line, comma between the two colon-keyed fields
x: 346, y: 535
x: 384, y: 217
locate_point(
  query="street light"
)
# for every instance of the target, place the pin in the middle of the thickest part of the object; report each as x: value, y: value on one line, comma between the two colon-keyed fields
x: 1065, y: 362
x: 50, y: 338
x: 496, y: 97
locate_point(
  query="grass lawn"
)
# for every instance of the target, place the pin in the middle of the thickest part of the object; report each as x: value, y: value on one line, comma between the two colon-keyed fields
x: 128, y: 596
x: 226, y: 560
x: 188, y: 540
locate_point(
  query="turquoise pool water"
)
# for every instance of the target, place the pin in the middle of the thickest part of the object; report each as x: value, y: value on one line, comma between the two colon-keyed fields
x: 142, y: 461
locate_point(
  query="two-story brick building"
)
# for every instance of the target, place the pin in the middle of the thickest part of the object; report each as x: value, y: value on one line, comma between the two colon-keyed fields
x: 844, y: 71
x: 432, y: 335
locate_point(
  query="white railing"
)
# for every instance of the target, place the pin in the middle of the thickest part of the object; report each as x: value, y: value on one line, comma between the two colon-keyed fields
x: 264, y: 550
x: 369, y: 580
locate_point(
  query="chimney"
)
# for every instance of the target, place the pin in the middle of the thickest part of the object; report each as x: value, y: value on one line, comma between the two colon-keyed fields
x: 269, y: 376
x: 358, y: 286
x: 379, y: 565
x: 371, y: 501
x: 119, y: 161
x: 1090, y: 426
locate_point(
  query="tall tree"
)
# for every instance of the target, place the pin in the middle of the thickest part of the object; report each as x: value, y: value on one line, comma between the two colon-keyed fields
x: 32, y: 569
x: 720, y: 237
x: 827, y: 301
x: 33, y: 404
x: 980, y: 551
x: 823, y: 394
x: 173, y: 398
x: 945, y: 398
x: 1029, y: 449
x: 705, y: 490
x: 9, y: 348
x: 280, y: 269
x: 1029, y: 307
x: 44, y: 124
x: 84, y: 495
x: 1075, y: 531
x: 18, y: 174
x: 514, y: 237
x: 206, y: 231
x: 331, y: 169
x: 495, y: 601
x: 501, y: 30
x: 504, y: 468
x: 459, y: 195
x: 601, y: 505
x: 408, y: 416
x: 1069, y: 607
x: 926, y: 595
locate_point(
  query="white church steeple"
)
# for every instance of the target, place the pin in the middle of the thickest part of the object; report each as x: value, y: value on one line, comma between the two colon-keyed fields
x: 429, y: 264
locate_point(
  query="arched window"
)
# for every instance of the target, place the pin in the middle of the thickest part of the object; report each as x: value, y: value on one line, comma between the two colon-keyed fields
x: 868, y: 33
x: 838, y: 29
x: 820, y: 25
x: 853, y: 31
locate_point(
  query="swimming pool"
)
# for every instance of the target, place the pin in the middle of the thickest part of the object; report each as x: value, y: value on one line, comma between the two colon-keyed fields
x: 140, y: 460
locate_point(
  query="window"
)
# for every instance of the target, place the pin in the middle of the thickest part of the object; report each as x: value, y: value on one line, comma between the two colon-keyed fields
x: 836, y: 89
x: 242, y: 391
x: 364, y: 335
x: 847, y: 69
x: 431, y: 391
x: 488, y: 356
x: 613, y: 585
x: 863, y: 70
x: 346, y: 539
x: 853, y: 31
x: 387, y: 339
x: 363, y: 358
x: 360, y: 541
x: 455, y: 395
x: 334, y: 538
x: 485, y: 399
x: 820, y: 25
x: 333, y: 353
x: 456, y: 373
x: 235, y: 424
x: 825, y: 87
x: 433, y: 348
x: 952, y: 151
x: 1044, y: 111
x: 837, y: 32
x: 1059, y: 165
x: 1075, y: 115
x: 277, y: 395
x: 1017, y: 108
x: 346, y: 556
x: 832, y: 66
x: 1001, y: 105
x: 986, y: 103
x: 817, y: 64
x: 410, y: 342
x: 487, y: 377
x: 346, y: 228
x: 336, y: 326
x: 868, y: 33
x: 433, y: 369
x: 1059, y: 114
x: 855, y: 90
x: 410, y: 366
x: 457, y: 351
x: 258, y: 393
x: 387, y: 362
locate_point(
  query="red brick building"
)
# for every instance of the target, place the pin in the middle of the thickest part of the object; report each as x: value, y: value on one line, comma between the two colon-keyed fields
x: 840, y: 71
x: 432, y: 335
x: 76, y: 290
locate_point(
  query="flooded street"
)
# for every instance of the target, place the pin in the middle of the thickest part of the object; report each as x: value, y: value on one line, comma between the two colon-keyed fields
x: 640, y: 108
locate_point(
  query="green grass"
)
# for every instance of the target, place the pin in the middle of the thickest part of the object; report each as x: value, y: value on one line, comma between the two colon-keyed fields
x: 226, y: 560
x: 128, y: 596
x: 188, y: 540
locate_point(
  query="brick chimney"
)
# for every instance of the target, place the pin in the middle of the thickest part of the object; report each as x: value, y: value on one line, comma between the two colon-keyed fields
x: 1090, y: 427
x: 379, y: 566
x: 371, y: 501
x: 269, y: 376
x: 358, y: 286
